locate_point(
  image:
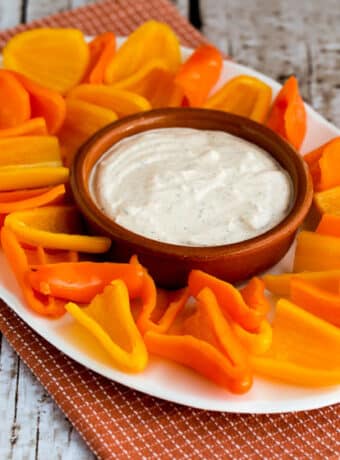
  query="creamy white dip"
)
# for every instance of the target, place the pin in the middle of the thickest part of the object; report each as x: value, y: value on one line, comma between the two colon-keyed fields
x: 191, y: 187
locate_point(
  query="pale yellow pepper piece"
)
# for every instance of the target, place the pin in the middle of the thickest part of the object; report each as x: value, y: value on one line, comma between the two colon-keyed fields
x: 54, y: 227
x: 109, y: 319
x: 119, y: 101
x: 22, y: 176
x: 30, y: 150
x: 55, y: 58
x: 151, y: 41
x: 243, y: 95
x: 305, y: 349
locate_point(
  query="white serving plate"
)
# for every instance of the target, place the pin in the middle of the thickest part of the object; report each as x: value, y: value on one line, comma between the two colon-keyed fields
x: 167, y: 380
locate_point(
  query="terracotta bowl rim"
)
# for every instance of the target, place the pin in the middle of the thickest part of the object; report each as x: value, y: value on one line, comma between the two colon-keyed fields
x: 92, y: 213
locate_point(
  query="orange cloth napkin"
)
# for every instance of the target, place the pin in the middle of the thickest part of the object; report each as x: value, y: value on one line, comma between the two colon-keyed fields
x: 119, y: 423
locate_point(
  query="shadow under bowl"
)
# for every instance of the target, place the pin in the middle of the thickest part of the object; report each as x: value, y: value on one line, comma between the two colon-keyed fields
x: 169, y: 264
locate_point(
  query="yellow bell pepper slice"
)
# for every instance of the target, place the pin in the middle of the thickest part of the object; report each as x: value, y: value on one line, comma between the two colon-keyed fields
x: 152, y: 40
x: 55, y: 58
x: 138, y: 81
x: 54, y: 227
x: 30, y: 150
x: 255, y: 343
x: 22, y: 176
x: 305, y: 349
x: 328, y: 201
x: 243, y: 95
x: 82, y: 120
x: 156, y: 84
x: 280, y: 284
x: 108, y: 318
x: 119, y: 101
x: 315, y: 252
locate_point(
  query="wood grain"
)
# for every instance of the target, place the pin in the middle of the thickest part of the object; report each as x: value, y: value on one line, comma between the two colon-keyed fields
x: 277, y: 37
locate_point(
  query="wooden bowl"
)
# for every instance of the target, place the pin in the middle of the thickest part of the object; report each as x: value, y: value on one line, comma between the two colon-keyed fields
x: 170, y: 264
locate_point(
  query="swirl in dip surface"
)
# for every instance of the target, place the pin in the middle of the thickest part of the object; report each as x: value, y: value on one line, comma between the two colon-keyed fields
x: 191, y: 187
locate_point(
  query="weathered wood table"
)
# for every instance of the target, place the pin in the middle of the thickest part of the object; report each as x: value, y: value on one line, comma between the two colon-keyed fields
x: 277, y: 37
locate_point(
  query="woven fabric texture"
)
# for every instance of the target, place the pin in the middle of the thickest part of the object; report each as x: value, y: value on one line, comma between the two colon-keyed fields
x: 119, y: 423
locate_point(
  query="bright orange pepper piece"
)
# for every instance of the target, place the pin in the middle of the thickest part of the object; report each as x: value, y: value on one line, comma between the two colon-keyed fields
x: 45, y: 103
x: 27, y: 199
x: 253, y: 294
x: 108, y: 318
x: 102, y: 50
x: 207, y: 345
x: 15, y: 107
x: 82, y: 281
x: 329, y: 225
x: 32, y: 127
x: 322, y: 163
x: 19, y: 260
x: 243, y: 95
x: 288, y: 114
x: 228, y: 297
x: 199, y: 74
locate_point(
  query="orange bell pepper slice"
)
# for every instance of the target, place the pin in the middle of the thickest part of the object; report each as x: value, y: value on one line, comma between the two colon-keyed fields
x: 253, y: 293
x: 45, y: 103
x: 82, y: 281
x: 316, y: 300
x: 199, y: 74
x: 243, y: 95
x: 229, y: 299
x: 54, y: 227
x: 304, y: 351
x: 15, y: 107
x: 206, y: 345
x: 33, y: 127
x: 151, y: 41
x: 322, y: 163
x: 280, y: 284
x: 82, y: 121
x: 328, y: 201
x: 329, y: 225
x: 23, y: 177
x: 121, y: 102
x: 288, y: 114
x: 19, y: 258
x: 64, y: 52
x: 28, y: 199
x: 315, y: 252
x: 102, y: 50
x: 108, y: 318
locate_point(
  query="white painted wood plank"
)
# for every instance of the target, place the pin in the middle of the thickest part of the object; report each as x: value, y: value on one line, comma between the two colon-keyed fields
x: 39, y: 8
x: 33, y: 427
x: 10, y: 13
x: 9, y: 379
x: 183, y: 7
